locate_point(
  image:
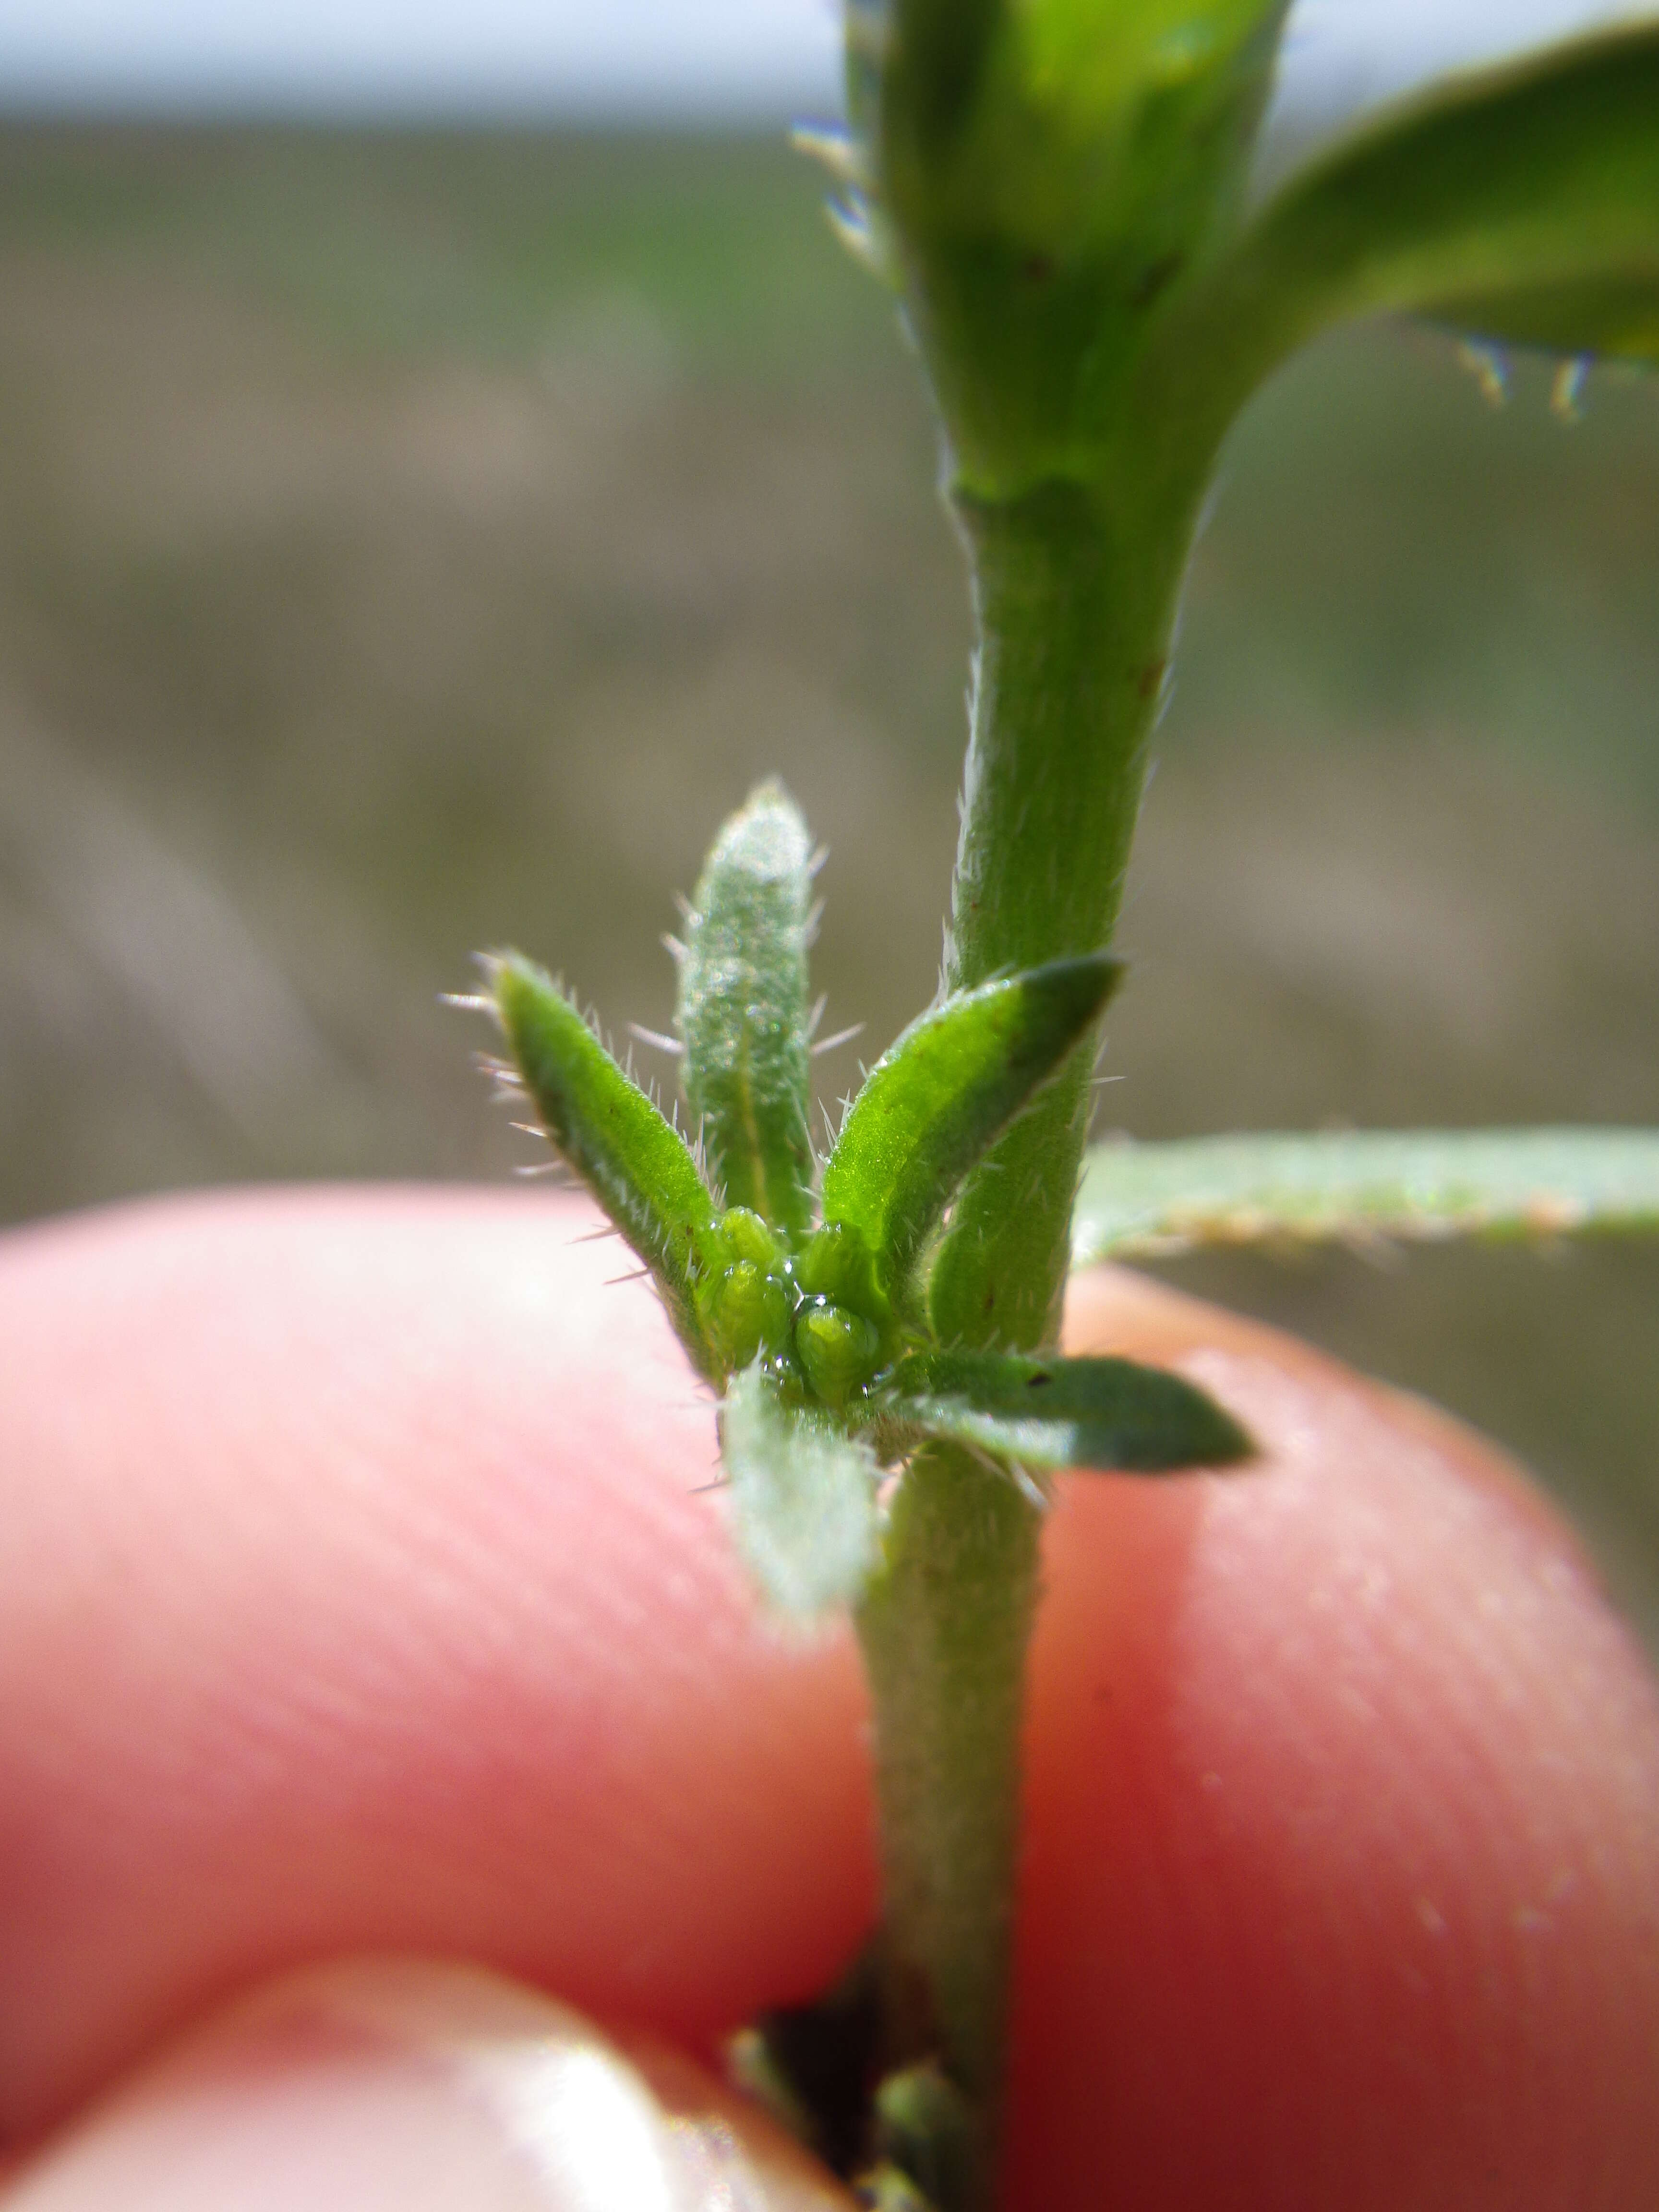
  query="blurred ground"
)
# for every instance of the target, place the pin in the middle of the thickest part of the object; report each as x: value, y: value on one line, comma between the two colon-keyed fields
x: 414, y: 542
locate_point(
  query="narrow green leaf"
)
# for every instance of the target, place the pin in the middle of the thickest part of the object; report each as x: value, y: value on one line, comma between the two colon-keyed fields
x: 934, y: 1102
x: 1056, y: 1413
x: 804, y: 1498
x: 1140, y: 1201
x: 1522, y: 204
x: 603, y: 1125
x: 743, y: 1011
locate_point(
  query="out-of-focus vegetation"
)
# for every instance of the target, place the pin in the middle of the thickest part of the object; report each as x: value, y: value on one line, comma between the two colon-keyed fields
x: 414, y: 542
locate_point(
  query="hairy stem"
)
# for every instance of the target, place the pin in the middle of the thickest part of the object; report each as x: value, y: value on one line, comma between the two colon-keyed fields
x: 1075, y: 593
x: 1075, y: 598
x: 1074, y: 608
x: 944, y: 1629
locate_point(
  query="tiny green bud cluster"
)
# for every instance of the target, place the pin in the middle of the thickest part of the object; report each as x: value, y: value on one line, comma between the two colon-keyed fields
x: 810, y: 1311
x: 821, y: 1296
x: 815, y: 1316
x: 828, y: 1309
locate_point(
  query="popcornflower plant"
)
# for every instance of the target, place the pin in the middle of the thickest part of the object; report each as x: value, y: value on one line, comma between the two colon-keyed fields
x: 1059, y: 193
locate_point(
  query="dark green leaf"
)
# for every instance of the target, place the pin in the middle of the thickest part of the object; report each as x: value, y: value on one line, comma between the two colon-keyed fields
x: 1143, y: 1200
x: 804, y: 1497
x: 1056, y: 1413
x: 608, y: 1131
x: 942, y: 1094
x: 1522, y: 204
x: 743, y: 1011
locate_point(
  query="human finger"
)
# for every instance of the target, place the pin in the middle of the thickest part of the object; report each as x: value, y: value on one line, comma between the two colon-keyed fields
x: 402, y: 2085
x: 1343, y: 1819
x: 363, y: 1587
x: 414, y: 1319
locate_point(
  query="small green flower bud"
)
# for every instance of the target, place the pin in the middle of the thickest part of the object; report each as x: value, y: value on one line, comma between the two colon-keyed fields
x: 838, y: 1350
x: 838, y: 1264
x: 749, y: 1236
x: 745, y: 1309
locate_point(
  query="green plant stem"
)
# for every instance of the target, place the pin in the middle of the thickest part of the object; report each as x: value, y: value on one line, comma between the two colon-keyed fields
x: 944, y: 1628
x: 1074, y: 590
x: 1075, y: 603
x: 1072, y: 609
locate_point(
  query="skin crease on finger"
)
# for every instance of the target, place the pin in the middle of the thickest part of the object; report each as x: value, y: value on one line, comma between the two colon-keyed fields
x: 362, y: 1590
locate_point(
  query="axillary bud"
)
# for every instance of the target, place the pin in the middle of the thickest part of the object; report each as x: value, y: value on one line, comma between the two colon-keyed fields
x: 838, y: 1350
x: 838, y: 1264
x: 746, y: 1307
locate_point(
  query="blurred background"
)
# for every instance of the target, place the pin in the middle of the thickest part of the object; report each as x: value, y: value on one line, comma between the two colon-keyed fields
x: 438, y: 476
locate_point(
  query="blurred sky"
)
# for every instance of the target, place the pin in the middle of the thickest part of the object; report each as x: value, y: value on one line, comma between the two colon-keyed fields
x: 759, y: 57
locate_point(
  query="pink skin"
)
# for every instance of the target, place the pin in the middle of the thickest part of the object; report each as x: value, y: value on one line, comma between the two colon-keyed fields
x: 360, y: 1590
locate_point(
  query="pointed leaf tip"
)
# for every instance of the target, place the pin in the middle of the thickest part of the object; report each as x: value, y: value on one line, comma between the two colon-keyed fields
x: 743, y: 1009
x: 603, y: 1125
x: 1110, y: 1415
x: 936, y: 1102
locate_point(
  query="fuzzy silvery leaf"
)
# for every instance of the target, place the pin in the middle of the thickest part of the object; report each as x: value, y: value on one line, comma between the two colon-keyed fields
x: 743, y: 1011
x: 803, y: 1497
x: 1139, y: 1200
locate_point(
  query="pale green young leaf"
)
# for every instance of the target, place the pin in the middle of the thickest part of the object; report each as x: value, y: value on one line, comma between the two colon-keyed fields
x: 1520, y: 204
x: 609, y: 1132
x: 939, y: 1096
x: 1140, y: 1201
x: 1057, y: 1413
x: 743, y: 1011
x: 803, y: 1496
x: 1048, y: 171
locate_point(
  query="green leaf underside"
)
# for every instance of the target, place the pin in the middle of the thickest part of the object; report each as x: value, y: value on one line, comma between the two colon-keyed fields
x: 1141, y: 1201
x: 609, y: 1132
x: 1522, y: 204
x: 946, y: 1090
x: 804, y: 1495
x: 1103, y: 1414
x: 743, y: 1011
x: 1056, y: 116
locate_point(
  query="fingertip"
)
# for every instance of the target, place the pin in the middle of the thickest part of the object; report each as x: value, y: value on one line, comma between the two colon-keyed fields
x: 1343, y: 1803
x: 407, y: 2085
x: 363, y: 1587
x: 365, y: 1599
